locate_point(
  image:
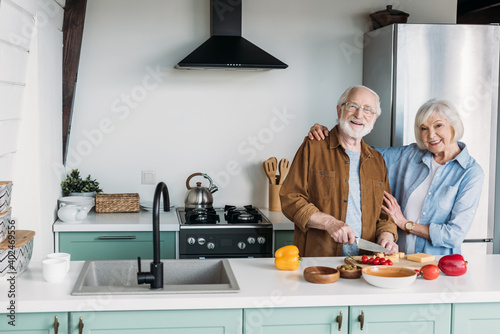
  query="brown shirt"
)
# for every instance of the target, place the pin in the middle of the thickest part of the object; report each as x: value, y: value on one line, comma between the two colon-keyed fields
x: 319, y: 181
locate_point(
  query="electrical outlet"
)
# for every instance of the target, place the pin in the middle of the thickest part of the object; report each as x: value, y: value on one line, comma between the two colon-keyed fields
x: 148, y: 177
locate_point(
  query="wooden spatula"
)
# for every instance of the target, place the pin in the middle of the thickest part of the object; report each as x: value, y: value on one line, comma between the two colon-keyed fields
x: 284, y: 167
x: 270, y: 166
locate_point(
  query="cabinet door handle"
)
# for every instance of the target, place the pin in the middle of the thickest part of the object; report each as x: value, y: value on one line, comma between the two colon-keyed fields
x: 113, y: 237
x: 56, y: 325
x: 80, y: 326
x: 339, y: 320
x: 361, y: 319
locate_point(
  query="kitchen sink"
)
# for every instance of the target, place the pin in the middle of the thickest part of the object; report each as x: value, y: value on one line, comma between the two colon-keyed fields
x: 119, y: 277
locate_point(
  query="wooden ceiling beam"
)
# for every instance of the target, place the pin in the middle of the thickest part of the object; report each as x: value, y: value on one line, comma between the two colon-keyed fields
x: 74, y: 19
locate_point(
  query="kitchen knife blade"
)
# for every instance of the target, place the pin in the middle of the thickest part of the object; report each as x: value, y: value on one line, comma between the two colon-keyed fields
x: 370, y: 246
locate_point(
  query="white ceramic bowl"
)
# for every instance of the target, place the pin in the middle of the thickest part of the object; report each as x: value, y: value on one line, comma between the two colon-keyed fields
x: 21, y: 255
x: 4, y: 223
x: 84, y: 201
x: 5, y: 195
x: 389, y: 277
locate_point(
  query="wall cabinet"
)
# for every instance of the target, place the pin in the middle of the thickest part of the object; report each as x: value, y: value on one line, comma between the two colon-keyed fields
x: 476, y: 318
x: 282, y: 238
x: 85, y: 246
x: 35, y: 323
x: 165, y: 322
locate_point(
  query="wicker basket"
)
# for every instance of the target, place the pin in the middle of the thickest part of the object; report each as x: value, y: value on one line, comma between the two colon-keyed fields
x: 117, y: 203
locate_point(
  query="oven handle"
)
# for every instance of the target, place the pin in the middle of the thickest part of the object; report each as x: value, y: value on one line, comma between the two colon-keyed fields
x: 115, y: 237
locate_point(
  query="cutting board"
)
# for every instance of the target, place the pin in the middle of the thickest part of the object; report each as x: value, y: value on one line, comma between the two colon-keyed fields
x: 404, y: 263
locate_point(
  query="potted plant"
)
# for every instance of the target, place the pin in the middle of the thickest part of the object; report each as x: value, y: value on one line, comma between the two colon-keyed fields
x: 75, y: 185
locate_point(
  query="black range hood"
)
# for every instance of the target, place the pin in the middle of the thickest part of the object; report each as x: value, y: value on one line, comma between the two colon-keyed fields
x: 226, y: 49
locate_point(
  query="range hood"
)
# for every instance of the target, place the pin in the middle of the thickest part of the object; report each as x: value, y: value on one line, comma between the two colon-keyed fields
x: 226, y: 49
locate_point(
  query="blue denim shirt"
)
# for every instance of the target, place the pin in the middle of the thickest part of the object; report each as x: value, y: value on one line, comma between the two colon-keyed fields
x: 453, y: 197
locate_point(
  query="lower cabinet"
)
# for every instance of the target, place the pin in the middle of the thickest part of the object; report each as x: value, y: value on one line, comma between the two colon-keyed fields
x: 149, y: 322
x: 85, y: 246
x: 310, y: 320
x: 34, y: 323
x: 476, y: 318
x: 282, y: 238
x: 425, y: 318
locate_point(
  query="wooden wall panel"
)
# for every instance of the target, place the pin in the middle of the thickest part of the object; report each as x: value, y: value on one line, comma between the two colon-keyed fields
x: 16, y: 25
x: 11, y: 99
x: 13, y: 63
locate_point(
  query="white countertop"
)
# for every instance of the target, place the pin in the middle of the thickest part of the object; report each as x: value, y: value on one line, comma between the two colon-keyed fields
x: 142, y: 221
x: 262, y: 285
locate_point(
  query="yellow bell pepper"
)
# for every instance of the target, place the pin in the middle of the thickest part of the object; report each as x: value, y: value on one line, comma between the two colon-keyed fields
x: 287, y: 258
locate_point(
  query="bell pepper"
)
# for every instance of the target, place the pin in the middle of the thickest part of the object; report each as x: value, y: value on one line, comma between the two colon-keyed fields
x: 453, y: 265
x: 287, y: 258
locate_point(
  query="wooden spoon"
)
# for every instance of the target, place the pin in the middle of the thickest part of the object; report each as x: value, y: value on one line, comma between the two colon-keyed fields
x: 270, y: 166
x: 284, y: 167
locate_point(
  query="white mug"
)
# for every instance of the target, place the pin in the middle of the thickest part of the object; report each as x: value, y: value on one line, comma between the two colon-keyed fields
x: 54, y: 270
x: 72, y: 213
x: 65, y: 256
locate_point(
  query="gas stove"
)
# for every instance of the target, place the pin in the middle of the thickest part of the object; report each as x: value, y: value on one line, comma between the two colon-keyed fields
x: 224, y: 233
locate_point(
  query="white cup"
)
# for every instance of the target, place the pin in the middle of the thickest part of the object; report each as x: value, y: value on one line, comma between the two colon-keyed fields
x: 65, y: 256
x: 54, y: 270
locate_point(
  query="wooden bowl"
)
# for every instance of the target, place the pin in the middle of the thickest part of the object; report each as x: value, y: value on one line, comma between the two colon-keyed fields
x: 349, y: 273
x: 321, y: 275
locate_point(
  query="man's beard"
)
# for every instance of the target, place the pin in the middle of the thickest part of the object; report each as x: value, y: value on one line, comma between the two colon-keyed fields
x: 344, y: 125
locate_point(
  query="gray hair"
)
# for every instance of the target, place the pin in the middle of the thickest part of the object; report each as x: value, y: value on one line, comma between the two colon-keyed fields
x: 444, y: 108
x: 354, y: 88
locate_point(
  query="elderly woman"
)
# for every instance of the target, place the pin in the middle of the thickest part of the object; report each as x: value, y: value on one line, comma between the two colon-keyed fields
x: 436, y: 183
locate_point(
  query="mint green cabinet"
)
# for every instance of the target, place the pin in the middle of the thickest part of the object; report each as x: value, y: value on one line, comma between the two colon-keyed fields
x: 296, y: 320
x: 282, y: 238
x: 408, y: 319
x: 34, y: 323
x: 155, y: 322
x: 115, y: 245
x: 476, y: 318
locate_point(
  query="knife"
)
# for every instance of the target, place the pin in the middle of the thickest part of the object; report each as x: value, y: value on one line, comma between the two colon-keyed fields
x: 370, y: 246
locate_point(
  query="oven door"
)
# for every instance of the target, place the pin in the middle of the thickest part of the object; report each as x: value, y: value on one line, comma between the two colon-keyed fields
x: 225, y: 242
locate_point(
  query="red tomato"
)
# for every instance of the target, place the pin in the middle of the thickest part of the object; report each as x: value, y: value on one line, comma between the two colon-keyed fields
x: 383, y: 261
x: 389, y: 263
x: 429, y: 271
x: 418, y: 272
x: 370, y: 261
x: 376, y: 261
x: 365, y: 261
x: 364, y: 257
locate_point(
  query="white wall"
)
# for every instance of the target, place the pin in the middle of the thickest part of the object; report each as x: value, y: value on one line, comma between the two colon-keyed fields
x: 224, y: 123
x: 32, y: 99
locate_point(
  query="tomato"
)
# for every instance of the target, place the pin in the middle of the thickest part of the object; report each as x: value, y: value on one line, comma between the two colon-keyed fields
x: 453, y: 265
x: 429, y: 271
x: 383, y: 261
x: 418, y: 272
x: 389, y: 263
x: 376, y: 261
x: 364, y: 259
x: 370, y: 261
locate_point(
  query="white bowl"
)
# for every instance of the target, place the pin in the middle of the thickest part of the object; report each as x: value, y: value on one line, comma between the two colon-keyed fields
x: 5, y: 195
x: 86, y: 201
x: 389, y: 277
x: 17, y: 259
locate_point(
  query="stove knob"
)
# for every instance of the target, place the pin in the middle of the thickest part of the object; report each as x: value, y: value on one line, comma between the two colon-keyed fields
x: 201, y: 241
x: 251, y: 240
x: 191, y: 241
x: 242, y: 245
x: 261, y: 240
x: 210, y: 245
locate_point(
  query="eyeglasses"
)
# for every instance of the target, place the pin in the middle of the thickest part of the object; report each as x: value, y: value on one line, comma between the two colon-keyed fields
x: 352, y: 107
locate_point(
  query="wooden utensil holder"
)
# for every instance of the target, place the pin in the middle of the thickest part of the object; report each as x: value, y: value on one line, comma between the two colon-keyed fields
x: 274, y: 197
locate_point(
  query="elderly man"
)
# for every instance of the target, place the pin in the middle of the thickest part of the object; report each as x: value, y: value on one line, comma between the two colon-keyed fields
x: 335, y: 188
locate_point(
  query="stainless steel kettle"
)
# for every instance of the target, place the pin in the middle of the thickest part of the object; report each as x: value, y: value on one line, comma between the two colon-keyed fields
x: 199, y: 197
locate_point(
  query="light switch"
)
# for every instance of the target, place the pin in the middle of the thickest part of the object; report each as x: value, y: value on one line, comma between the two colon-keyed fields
x: 148, y: 177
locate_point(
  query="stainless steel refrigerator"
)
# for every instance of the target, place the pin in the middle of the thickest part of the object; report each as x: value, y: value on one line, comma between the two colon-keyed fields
x: 408, y: 64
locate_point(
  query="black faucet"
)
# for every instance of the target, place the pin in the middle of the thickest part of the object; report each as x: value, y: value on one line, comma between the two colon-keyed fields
x: 155, y: 277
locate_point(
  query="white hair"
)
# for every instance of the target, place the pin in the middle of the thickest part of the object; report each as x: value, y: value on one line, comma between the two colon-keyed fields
x: 444, y: 108
x: 348, y: 91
